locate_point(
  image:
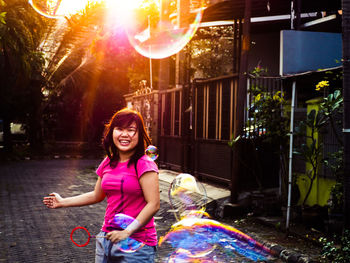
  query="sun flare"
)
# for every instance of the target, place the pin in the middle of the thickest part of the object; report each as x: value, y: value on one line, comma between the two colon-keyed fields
x: 60, y: 8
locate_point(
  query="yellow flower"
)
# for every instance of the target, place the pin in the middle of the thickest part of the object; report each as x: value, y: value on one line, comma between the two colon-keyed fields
x: 322, y: 84
x: 258, y: 97
x: 276, y: 96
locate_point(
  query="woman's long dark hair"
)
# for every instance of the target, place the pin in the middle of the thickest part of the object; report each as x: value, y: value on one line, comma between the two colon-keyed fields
x: 124, y: 118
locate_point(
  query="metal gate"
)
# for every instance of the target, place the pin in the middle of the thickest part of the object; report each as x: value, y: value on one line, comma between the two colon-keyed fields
x: 170, y: 141
x: 213, y: 113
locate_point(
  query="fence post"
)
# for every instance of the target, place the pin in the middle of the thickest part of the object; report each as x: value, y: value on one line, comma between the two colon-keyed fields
x: 240, y: 99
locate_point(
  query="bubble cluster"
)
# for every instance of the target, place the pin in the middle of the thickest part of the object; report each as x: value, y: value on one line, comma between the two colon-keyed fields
x: 152, y: 152
x: 128, y: 245
x: 205, y: 240
x: 187, y: 196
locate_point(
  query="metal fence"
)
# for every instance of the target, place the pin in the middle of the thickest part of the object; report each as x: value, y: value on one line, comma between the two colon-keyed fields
x: 213, y: 110
x: 195, y: 123
x: 170, y: 139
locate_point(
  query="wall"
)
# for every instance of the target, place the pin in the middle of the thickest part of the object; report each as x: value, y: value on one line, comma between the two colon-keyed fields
x: 321, y: 187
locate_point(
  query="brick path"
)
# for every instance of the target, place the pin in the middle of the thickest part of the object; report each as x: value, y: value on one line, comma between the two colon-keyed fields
x: 30, y: 232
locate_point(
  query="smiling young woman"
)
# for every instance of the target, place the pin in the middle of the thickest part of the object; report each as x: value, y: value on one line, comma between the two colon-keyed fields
x: 129, y: 180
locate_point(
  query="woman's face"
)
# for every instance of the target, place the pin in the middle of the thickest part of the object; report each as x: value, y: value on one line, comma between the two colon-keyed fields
x: 126, y: 139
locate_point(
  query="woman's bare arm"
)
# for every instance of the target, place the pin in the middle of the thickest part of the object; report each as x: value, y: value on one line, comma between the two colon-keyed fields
x: 54, y: 200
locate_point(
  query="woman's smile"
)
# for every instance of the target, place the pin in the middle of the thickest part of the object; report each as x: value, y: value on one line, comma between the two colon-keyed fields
x: 124, y: 142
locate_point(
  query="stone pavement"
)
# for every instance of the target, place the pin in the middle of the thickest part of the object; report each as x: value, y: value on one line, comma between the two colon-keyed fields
x: 30, y: 232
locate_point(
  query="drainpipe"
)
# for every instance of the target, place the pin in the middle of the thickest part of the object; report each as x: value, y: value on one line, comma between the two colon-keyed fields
x: 290, y: 155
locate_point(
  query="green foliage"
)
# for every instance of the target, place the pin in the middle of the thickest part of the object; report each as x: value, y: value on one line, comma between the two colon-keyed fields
x: 267, y: 115
x: 267, y: 126
x: 211, y: 52
x: 311, y: 151
x: 316, y: 122
x: 22, y: 31
x: 337, y: 253
x: 232, y: 142
x: 336, y: 200
x: 259, y: 71
x: 336, y: 164
x: 332, y: 103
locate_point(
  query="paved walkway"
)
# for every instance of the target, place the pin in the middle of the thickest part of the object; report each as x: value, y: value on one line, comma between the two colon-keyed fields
x: 29, y: 232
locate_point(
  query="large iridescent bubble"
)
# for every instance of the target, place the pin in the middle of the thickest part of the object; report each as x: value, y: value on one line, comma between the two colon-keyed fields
x: 155, y: 28
x: 128, y: 245
x: 58, y: 8
x: 152, y: 152
x: 187, y: 196
x: 161, y: 28
x: 206, y: 240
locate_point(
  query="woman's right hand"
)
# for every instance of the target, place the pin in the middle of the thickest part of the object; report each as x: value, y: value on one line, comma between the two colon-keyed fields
x: 54, y: 200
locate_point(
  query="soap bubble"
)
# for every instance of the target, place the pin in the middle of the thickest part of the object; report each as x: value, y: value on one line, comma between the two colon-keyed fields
x: 152, y: 152
x: 187, y: 196
x: 58, y: 8
x: 120, y: 222
x: 156, y: 29
x: 206, y: 240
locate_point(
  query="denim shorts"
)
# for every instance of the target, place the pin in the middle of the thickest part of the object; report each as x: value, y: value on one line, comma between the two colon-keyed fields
x: 106, y: 252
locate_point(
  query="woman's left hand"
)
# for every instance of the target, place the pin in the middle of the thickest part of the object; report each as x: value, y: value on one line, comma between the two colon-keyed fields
x: 116, y: 236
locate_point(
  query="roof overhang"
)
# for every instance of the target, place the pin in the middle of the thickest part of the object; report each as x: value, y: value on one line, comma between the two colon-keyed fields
x: 234, y: 9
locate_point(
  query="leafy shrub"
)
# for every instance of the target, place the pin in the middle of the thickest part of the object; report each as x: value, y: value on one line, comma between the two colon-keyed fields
x: 337, y: 253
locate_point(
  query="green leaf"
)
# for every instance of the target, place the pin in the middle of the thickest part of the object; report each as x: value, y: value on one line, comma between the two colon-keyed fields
x: 330, y: 97
x: 233, y: 141
x: 336, y: 94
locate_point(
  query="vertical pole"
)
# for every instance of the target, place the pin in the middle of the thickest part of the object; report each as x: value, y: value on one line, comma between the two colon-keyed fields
x: 150, y: 57
x: 346, y: 114
x: 240, y: 99
x: 150, y: 74
x: 290, y: 154
x: 183, y: 9
x: 164, y: 64
x: 292, y: 14
x: 298, y: 15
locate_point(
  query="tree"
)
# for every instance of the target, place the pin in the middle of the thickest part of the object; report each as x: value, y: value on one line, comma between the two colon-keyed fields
x: 212, y: 51
x: 59, y: 72
x: 21, y: 32
x: 95, y: 86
